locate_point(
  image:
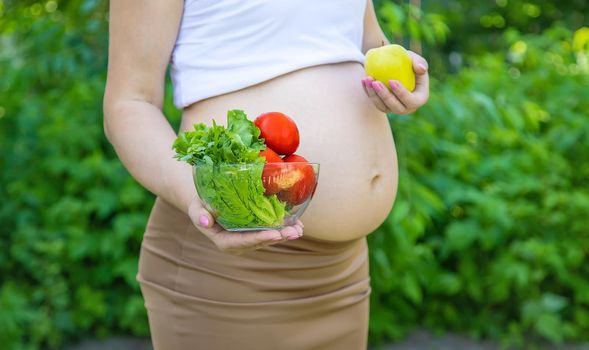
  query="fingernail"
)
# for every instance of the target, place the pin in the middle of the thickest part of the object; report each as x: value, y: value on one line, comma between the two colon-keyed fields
x: 393, y: 85
x: 203, y: 220
x: 422, y: 66
x: 376, y: 86
x: 277, y: 239
x: 291, y: 238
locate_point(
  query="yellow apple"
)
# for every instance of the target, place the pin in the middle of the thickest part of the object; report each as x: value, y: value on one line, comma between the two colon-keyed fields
x: 390, y: 62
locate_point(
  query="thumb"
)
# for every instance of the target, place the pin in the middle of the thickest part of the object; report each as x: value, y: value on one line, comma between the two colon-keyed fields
x: 205, y: 219
x: 420, y: 65
x: 199, y: 215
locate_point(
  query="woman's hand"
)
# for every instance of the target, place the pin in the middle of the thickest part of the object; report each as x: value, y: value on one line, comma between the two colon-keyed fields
x: 238, y: 242
x: 400, y: 100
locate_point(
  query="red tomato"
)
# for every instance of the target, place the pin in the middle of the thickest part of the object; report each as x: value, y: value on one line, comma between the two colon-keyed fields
x: 271, y: 171
x: 271, y: 156
x: 304, y: 184
x: 279, y: 132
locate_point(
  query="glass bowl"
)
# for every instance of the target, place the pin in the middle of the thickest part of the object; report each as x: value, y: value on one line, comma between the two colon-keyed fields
x: 256, y: 196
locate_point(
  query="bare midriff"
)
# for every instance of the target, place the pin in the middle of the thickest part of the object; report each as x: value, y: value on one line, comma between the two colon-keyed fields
x: 340, y: 129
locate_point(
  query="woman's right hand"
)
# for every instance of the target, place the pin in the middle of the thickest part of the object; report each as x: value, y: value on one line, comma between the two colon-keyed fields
x: 238, y: 242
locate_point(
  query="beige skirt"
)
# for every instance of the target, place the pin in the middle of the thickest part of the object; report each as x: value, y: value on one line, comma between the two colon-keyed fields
x: 300, y: 295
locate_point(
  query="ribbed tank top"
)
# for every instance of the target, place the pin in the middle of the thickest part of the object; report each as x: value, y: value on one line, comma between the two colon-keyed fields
x: 227, y: 45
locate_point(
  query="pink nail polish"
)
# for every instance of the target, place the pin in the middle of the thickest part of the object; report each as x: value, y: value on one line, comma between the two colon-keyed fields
x: 277, y: 239
x: 393, y: 85
x: 203, y: 220
x: 422, y: 66
x: 291, y: 238
x: 376, y: 86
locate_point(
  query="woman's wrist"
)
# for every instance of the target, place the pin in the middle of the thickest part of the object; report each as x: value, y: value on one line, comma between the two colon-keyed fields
x: 180, y: 190
x: 188, y: 201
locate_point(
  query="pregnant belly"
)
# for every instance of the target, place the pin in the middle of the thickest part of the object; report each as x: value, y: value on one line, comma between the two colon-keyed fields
x: 340, y: 129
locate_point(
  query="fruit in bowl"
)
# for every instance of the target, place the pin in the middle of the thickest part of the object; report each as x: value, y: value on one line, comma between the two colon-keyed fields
x: 244, y: 183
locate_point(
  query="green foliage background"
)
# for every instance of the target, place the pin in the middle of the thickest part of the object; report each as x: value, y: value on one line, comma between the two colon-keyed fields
x: 489, y: 235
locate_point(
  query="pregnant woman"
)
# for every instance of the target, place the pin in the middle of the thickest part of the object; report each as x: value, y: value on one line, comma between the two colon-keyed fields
x: 206, y: 288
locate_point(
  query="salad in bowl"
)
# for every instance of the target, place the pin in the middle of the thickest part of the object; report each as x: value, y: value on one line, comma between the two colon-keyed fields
x: 247, y: 174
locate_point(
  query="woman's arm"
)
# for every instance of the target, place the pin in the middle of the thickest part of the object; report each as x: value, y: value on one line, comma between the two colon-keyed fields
x: 142, y: 36
x: 400, y: 100
x: 373, y: 35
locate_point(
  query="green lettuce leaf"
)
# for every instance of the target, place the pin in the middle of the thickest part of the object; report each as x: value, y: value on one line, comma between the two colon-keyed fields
x: 238, y: 143
x: 236, y: 195
x: 245, y: 129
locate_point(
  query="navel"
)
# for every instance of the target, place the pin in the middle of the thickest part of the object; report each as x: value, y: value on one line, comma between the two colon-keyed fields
x: 375, y: 180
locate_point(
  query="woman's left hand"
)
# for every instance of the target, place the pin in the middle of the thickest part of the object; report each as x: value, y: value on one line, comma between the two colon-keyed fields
x: 400, y: 100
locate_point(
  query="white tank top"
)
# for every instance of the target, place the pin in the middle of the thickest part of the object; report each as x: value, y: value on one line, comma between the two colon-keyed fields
x: 227, y: 45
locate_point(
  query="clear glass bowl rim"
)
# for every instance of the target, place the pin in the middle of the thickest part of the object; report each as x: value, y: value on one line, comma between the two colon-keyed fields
x: 251, y: 164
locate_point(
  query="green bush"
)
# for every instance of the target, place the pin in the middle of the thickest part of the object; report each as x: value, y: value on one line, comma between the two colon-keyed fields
x: 490, y: 232
x: 71, y: 218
